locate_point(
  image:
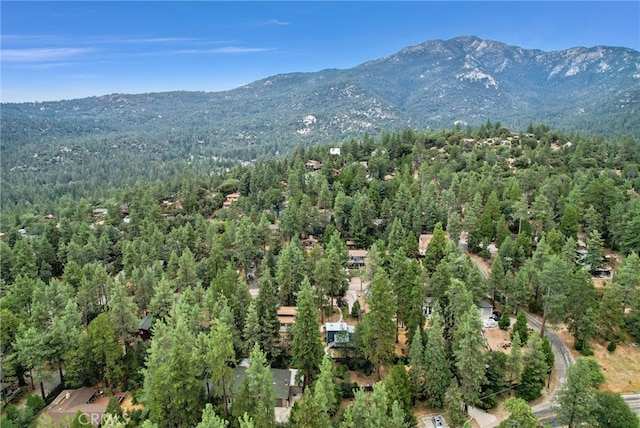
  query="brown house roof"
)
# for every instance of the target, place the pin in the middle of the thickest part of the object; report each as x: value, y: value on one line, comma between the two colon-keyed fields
x: 70, y: 401
x: 287, y: 311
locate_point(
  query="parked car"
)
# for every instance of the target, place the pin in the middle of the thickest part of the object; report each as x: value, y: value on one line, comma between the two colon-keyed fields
x: 496, y: 315
x: 490, y: 323
x: 438, y: 422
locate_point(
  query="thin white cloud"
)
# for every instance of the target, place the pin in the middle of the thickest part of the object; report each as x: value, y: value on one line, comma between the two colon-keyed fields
x: 235, y: 49
x: 22, y: 39
x: 42, y: 54
x: 152, y: 40
x: 276, y: 22
x: 43, y: 65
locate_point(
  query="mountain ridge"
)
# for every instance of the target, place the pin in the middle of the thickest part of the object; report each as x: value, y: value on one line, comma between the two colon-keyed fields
x: 435, y: 84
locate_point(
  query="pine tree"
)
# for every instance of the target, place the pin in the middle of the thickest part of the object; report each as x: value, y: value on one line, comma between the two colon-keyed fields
x: 417, y: 364
x: 398, y: 387
x: 397, y: 237
x: 439, y: 283
x: 373, y: 262
x: 361, y: 220
x: 520, y: 415
x: 520, y: 327
x: 189, y: 308
x: 610, y: 318
x: 576, y: 400
x: 379, y: 328
x: 214, y: 351
x: 613, y: 411
x: 569, y: 222
x: 290, y: 270
x: 324, y: 389
x: 245, y: 245
x: 459, y: 300
x: 173, y: 391
x: 554, y: 277
x: 372, y: 410
x: 251, y: 330
x: 435, y: 251
x: 256, y: 396
x: 162, y: 300
x: 496, y: 278
x: 306, y: 413
x: 535, y: 370
x: 267, y: 309
x: 468, y: 345
x: 521, y: 211
x: 455, y: 406
x: 122, y: 312
x: 515, y: 361
x: 437, y: 375
x: 405, y: 279
x: 626, y: 280
x: 595, y: 251
x: 210, y: 419
x: 454, y: 227
x: 186, y: 275
x: 306, y: 345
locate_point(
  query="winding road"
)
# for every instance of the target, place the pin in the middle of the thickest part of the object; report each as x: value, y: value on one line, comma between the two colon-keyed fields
x: 563, y: 360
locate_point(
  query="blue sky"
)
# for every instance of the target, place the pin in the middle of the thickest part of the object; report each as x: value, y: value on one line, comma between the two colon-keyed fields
x: 60, y: 50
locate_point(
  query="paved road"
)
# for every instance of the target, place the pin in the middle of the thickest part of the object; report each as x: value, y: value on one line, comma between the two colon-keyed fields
x: 547, y: 416
x: 563, y: 358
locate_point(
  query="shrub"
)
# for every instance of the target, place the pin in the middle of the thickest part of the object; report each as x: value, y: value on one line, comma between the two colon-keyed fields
x: 505, y: 321
x: 586, y: 351
x: 341, y: 372
x: 11, y: 412
x: 346, y: 389
x: 611, y: 347
x: 521, y: 327
x: 355, y: 309
x: 5, y: 422
x: 35, y: 403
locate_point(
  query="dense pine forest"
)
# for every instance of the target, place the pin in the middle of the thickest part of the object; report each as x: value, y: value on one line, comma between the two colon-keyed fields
x: 168, y: 283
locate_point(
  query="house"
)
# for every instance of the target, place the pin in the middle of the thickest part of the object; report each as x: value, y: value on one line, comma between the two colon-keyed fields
x: 338, y: 333
x: 334, y: 151
x: 71, y: 401
x: 423, y: 243
x: 98, y: 213
x: 274, y: 229
x: 427, y: 306
x: 286, y: 317
x: 357, y: 258
x: 144, y: 330
x: 309, y: 243
x: 485, y: 308
x: 287, y: 389
x: 230, y: 199
x: 313, y: 164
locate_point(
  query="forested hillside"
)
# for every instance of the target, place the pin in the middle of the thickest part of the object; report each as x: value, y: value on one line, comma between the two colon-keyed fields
x: 214, y: 255
x: 71, y: 146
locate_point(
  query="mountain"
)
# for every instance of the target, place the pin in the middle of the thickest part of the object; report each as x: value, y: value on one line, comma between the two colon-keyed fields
x: 435, y: 84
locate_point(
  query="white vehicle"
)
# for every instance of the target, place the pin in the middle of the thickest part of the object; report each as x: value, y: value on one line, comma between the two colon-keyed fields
x: 490, y: 323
